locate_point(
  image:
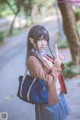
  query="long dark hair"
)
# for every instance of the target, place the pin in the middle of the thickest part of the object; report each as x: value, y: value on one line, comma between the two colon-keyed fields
x: 37, y: 32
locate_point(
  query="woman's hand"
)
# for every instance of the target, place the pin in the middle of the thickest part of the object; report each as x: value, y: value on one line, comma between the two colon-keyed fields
x: 61, y: 57
x: 56, y: 68
x: 57, y: 62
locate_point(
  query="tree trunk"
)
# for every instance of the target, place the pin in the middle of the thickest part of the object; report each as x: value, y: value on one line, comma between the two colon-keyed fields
x: 71, y: 31
x: 11, y: 28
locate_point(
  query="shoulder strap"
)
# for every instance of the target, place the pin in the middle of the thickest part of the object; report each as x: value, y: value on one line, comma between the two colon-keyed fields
x: 51, y: 57
x: 41, y: 60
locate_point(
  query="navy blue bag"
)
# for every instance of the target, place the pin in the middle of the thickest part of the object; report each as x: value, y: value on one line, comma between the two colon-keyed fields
x: 32, y: 90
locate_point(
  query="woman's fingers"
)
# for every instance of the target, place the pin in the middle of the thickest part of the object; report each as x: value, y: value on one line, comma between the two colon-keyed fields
x: 61, y: 57
x: 57, y: 61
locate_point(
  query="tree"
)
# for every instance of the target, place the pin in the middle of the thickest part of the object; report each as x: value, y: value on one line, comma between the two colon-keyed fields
x: 69, y: 25
x: 15, y: 12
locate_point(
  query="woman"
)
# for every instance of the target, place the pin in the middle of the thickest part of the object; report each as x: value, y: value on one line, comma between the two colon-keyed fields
x: 56, y: 109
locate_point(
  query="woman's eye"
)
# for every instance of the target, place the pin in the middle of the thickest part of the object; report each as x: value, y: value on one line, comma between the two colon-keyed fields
x: 39, y: 39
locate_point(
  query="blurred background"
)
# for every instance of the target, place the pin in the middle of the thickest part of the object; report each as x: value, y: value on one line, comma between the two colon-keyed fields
x: 62, y: 20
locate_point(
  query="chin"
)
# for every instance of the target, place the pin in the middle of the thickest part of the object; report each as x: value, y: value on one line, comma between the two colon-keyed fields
x: 41, y: 49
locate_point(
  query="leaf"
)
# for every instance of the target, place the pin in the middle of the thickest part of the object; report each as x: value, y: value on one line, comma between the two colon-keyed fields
x: 9, y: 97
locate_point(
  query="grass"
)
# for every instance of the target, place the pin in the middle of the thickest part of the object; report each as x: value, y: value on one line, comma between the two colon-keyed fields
x: 17, y: 31
x: 1, y: 38
x: 5, y: 34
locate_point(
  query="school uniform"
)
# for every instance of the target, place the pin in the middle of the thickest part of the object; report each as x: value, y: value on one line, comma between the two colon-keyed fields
x: 56, y: 109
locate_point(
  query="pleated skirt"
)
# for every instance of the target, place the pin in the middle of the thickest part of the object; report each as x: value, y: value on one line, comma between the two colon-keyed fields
x: 58, y: 111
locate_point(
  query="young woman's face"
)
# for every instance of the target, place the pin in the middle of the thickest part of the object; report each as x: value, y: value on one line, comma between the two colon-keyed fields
x: 41, y: 44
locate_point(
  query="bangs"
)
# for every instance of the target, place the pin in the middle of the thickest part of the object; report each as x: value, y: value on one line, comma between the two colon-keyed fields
x: 42, y: 34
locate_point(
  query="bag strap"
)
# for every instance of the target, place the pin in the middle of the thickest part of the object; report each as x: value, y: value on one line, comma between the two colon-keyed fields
x: 27, y: 71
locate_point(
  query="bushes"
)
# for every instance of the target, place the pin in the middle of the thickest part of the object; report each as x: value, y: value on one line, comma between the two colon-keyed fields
x: 71, y: 70
x: 1, y: 37
x: 62, y: 44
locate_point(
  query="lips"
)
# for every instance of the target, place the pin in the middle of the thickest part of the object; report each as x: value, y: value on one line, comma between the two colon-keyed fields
x: 42, y: 47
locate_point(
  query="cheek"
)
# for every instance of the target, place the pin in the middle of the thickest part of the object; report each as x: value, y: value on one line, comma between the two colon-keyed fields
x: 39, y: 43
x: 46, y: 42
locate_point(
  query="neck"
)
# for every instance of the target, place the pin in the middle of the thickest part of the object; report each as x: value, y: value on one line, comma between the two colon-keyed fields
x: 40, y: 53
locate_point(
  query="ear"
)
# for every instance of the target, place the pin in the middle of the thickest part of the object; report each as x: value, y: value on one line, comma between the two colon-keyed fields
x: 31, y: 40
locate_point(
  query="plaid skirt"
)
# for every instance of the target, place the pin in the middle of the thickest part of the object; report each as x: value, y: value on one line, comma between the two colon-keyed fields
x: 58, y: 111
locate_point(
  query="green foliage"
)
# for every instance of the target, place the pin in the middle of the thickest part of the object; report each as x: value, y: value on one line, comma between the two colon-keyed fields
x: 31, y: 11
x: 1, y: 37
x: 78, y: 26
x: 43, y: 3
x: 77, y: 14
x: 62, y: 44
x: 71, y: 70
x: 5, y: 9
x: 9, y: 97
x: 16, y: 31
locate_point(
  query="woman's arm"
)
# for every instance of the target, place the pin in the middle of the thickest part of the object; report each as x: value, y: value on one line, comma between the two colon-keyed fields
x: 36, y: 69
